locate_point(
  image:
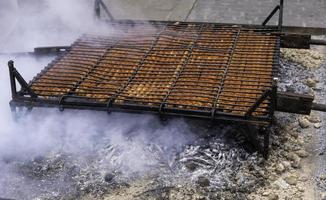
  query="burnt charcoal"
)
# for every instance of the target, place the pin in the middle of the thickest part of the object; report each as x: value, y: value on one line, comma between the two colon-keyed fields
x: 109, y: 177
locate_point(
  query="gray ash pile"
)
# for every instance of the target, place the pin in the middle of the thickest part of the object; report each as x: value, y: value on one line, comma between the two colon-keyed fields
x: 216, y: 159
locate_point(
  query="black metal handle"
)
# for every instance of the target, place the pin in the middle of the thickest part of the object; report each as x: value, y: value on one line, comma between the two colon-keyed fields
x: 319, y: 107
x: 317, y: 42
x: 50, y: 50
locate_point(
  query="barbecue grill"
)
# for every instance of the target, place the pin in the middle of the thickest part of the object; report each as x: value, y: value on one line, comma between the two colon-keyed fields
x: 191, y: 69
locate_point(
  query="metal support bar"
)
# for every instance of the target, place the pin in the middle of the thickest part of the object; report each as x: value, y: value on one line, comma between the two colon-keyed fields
x: 273, y: 96
x: 267, y: 93
x: 225, y: 73
x: 266, y: 142
x: 280, y: 18
x: 269, y: 17
x: 97, y: 7
x: 50, y: 50
x: 258, y: 102
x: 13, y: 110
x: 12, y: 79
x: 18, y: 112
x: 319, y: 107
x: 132, y: 77
x: 185, y: 63
x: 317, y: 42
x: 15, y: 75
x: 253, y: 132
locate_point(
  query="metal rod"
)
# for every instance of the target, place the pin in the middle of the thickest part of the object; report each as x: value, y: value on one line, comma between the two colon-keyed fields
x: 317, y: 42
x: 50, y: 50
x: 93, y: 68
x: 190, y: 11
x: 318, y: 107
x: 136, y: 70
x: 269, y: 17
x: 106, y: 9
x: 280, y: 19
x: 185, y: 63
x: 14, y: 75
x: 266, y: 142
x: 97, y: 9
x: 273, y: 99
x: 225, y: 73
x: 257, y: 103
x: 26, y: 102
x: 12, y: 79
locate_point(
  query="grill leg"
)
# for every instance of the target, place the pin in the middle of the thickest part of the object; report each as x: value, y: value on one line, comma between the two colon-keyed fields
x: 164, y: 120
x: 266, y: 143
x: 14, y: 113
x: 251, y: 132
x: 17, y: 111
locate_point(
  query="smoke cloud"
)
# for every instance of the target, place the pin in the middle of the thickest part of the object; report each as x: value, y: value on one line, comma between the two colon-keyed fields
x: 81, y: 135
x: 32, y: 23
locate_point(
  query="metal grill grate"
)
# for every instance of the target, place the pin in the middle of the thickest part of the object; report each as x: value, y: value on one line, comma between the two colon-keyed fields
x: 174, y: 67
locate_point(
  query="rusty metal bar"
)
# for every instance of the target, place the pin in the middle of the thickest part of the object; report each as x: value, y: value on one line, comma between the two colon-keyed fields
x: 140, y: 64
x: 185, y: 63
x: 220, y: 88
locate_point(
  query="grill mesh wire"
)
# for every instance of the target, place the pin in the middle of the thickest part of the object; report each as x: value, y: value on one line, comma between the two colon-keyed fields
x: 194, y: 66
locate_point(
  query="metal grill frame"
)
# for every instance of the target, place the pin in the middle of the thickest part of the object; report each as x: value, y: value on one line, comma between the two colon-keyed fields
x: 26, y: 98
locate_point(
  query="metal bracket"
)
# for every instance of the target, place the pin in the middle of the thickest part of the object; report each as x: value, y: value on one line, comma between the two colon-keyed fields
x: 50, y: 50
x: 15, y: 75
x: 258, y: 102
x: 280, y: 18
x: 97, y: 7
x: 272, y: 93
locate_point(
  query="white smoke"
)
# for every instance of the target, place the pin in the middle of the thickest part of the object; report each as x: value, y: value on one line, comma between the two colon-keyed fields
x: 78, y: 133
x: 33, y: 23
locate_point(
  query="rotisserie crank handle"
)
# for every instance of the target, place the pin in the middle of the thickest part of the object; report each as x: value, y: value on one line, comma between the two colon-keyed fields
x: 319, y: 107
x: 317, y: 42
